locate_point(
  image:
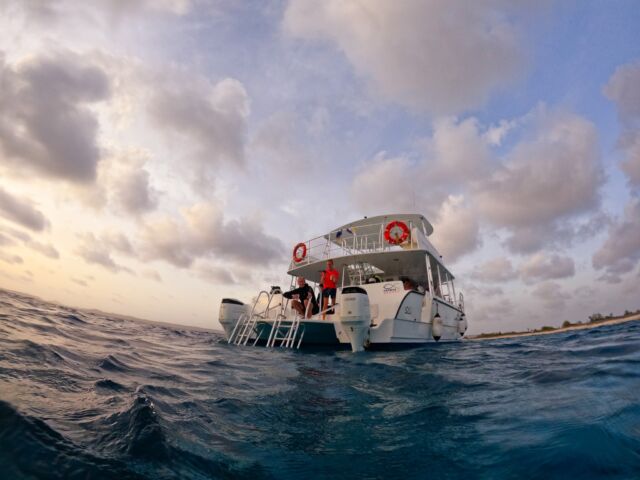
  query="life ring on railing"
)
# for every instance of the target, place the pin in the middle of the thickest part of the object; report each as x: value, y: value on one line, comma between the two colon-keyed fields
x: 396, y: 232
x: 299, y: 252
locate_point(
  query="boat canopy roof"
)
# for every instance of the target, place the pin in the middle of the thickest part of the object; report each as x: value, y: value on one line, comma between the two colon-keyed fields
x: 370, y: 225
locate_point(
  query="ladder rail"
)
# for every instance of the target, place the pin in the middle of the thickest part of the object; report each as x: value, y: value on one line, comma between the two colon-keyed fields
x: 235, y: 328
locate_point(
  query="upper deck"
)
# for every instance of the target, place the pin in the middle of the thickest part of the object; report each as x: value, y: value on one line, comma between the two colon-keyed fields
x: 365, y: 236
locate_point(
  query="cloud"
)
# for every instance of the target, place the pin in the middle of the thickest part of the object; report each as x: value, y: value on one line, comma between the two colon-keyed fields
x: 126, y: 184
x: 439, y: 56
x: 484, y: 290
x: 279, y: 136
x: 152, y: 275
x: 11, y: 259
x: 21, y: 211
x: 555, y: 175
x: 457, y: 152
x: 384, y: 184
x: 112, y: 10
x: 45, y: 123
x: 621, y: 250
x: 207, y: 120
x: 96, y: 251
x: 552, y: 295
x: 623, y: 90
x: 456, y: 229
x: 542, y: 266
x: 497, y: 270
x: 9, y: 236
x: 498, y: 311
x: 201, y: 231
x: 45, y: 249
x: 215, y: 274
x: 454, y: 156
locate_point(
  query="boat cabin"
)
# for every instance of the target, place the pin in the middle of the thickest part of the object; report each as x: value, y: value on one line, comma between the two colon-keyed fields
x: 384, y: 249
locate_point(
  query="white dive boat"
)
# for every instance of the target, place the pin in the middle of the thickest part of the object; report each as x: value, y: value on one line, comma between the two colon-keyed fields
x: 393, y: 291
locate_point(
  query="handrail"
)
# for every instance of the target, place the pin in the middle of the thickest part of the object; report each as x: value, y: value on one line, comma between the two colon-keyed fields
x: 326, y: 310
x: 256, y: 301
x: 328, y: 246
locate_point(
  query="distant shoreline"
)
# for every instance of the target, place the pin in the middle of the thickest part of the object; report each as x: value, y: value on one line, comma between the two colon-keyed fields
x: 577, y: 326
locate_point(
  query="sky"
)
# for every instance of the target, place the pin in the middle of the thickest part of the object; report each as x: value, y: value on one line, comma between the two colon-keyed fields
x: 159, y: 155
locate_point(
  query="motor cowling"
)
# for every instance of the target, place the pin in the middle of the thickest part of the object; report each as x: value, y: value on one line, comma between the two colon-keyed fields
x: 355, y: 316
x: 230, y: 311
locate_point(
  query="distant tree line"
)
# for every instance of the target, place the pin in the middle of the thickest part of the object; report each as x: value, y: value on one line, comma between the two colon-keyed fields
x: 594, y: 318
x: 598, y: 317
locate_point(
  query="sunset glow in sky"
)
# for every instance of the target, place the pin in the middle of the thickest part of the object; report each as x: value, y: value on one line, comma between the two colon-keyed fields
x: 158, y: 155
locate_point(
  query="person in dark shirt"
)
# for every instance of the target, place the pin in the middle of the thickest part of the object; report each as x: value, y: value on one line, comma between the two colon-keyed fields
x: 301, y: 297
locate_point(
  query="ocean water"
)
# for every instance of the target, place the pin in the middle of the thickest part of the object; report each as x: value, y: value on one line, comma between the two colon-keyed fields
x: 88, y: 396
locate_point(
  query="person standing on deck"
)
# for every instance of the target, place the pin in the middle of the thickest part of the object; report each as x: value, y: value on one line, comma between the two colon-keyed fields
x: 329, y: 280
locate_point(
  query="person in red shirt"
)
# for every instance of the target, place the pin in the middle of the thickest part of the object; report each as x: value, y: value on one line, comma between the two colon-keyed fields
x: 329, y: 280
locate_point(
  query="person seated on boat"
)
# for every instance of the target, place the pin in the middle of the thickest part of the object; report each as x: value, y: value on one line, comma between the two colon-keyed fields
x: 329, y: 279
x: 407, y: 283
x: 301, y: 297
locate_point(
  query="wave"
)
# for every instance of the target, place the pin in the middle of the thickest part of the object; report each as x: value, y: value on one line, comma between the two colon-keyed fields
x: 30, y: 448
x: 87, y: 395
x: 113, y: 364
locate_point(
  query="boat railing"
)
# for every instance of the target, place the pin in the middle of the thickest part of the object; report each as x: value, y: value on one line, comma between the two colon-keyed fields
x: 349, y: 241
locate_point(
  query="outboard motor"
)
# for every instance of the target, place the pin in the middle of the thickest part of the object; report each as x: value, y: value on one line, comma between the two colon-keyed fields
x: 355, y: 316
x: 230, y: 311
x: 462, y: 325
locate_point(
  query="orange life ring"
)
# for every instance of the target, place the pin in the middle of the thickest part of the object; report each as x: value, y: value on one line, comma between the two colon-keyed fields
x: 299, y: 256
x: 396, y: 232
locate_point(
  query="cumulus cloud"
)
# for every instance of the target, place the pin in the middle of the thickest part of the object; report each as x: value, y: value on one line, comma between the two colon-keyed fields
x: 621, y: 250
x: 552, y: 295
x: 279, y: 137
x: 484, y: 290
x: 96, y: 251
x: 436, y: 55
x: 385, y: 183
x: 456, y: 229
x: 22, y: 212
x: 45, y: 123
x: 215, y: 274
x: 623, y: 90
x: 556, y: 175
x: 496, y: 312
x: 457, y: 152
x: 496, y: 270
x: 543, y: 266
x: 201, y: 231
x: 207, y: 120
x: 126, y: 184
x: 455, y: 155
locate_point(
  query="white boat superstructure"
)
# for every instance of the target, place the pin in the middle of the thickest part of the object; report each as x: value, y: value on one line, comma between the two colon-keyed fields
x: 393, y: 291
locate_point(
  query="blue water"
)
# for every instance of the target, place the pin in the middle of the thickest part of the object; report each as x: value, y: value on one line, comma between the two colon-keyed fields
x: 86, y: 395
